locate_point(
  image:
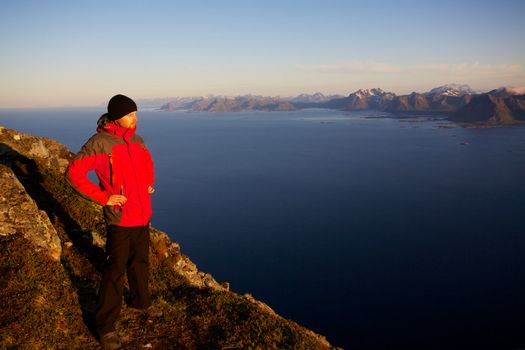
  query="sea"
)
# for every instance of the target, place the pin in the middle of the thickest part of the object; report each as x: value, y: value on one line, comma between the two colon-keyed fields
x: 374, y: 230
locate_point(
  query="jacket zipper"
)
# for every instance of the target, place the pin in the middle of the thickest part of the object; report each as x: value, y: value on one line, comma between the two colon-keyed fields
x: 111, y: 180
x: 121, y: 193
x: 136, y: 180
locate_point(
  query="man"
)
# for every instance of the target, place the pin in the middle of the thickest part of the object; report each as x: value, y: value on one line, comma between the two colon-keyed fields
x: 124, y: 168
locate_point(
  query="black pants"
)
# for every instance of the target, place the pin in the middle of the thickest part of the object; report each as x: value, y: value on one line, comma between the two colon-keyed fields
x: 127, y: 250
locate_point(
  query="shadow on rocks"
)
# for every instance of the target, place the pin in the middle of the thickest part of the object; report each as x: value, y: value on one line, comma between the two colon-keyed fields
x: 28, y: 173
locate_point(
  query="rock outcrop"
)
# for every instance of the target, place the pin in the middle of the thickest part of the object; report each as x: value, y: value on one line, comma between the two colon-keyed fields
x: 45, y: 152
x: 51, y: 258
x: 19, y: 214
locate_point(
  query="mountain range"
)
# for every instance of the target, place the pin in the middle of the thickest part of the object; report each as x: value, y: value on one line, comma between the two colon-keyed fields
x: 505, y: 105
x: 493, y: 109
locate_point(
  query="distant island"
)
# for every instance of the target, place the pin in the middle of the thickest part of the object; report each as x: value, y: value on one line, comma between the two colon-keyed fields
x: 461, y: 104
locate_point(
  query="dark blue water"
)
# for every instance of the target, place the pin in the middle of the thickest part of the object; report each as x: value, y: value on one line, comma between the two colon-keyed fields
x: 378, y: 233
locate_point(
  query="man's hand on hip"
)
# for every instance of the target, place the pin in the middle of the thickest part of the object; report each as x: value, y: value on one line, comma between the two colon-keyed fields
x: 116, y: 199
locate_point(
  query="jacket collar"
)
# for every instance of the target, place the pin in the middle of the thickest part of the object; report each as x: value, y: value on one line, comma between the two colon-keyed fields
x: 114, y: 129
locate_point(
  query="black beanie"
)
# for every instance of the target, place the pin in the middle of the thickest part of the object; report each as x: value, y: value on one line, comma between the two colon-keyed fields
x: 119, y: 106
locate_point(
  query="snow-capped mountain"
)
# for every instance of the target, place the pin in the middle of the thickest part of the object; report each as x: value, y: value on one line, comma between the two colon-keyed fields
x: 452, y: 90
x: 362, y: 99
x: 364, y: 93
x: 507, y: 91
x: 315, y: 98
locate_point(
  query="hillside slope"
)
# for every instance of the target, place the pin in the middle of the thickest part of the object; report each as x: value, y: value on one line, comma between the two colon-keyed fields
x: 51, y: 256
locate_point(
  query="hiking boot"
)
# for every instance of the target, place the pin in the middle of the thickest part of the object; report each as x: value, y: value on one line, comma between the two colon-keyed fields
x: 110, y: 341
x: 153, y: 311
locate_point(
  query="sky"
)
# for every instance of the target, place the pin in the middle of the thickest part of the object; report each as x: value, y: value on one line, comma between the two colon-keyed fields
x: 80, y: 53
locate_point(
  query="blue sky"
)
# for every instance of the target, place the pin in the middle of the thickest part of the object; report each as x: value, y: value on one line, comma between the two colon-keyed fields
x: 82, y: 52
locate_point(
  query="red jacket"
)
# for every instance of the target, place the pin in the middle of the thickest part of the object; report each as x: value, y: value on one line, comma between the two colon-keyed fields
x: 123, y: 166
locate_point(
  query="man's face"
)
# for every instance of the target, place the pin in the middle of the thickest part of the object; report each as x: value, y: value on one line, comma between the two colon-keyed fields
x: 128, y: 121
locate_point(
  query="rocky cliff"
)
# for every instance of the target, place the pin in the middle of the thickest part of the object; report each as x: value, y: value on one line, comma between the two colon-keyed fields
x: 51, y: 257
x: 492, y: 108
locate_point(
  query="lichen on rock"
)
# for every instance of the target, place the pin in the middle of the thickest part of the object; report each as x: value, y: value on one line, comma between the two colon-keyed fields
x: 20, y: 214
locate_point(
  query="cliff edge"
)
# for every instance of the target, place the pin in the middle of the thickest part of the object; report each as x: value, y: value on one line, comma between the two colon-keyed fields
x: 51, y: 257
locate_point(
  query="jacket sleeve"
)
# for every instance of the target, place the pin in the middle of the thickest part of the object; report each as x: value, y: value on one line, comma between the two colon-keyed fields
x: 150, y: 172
x: 76, y: 174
